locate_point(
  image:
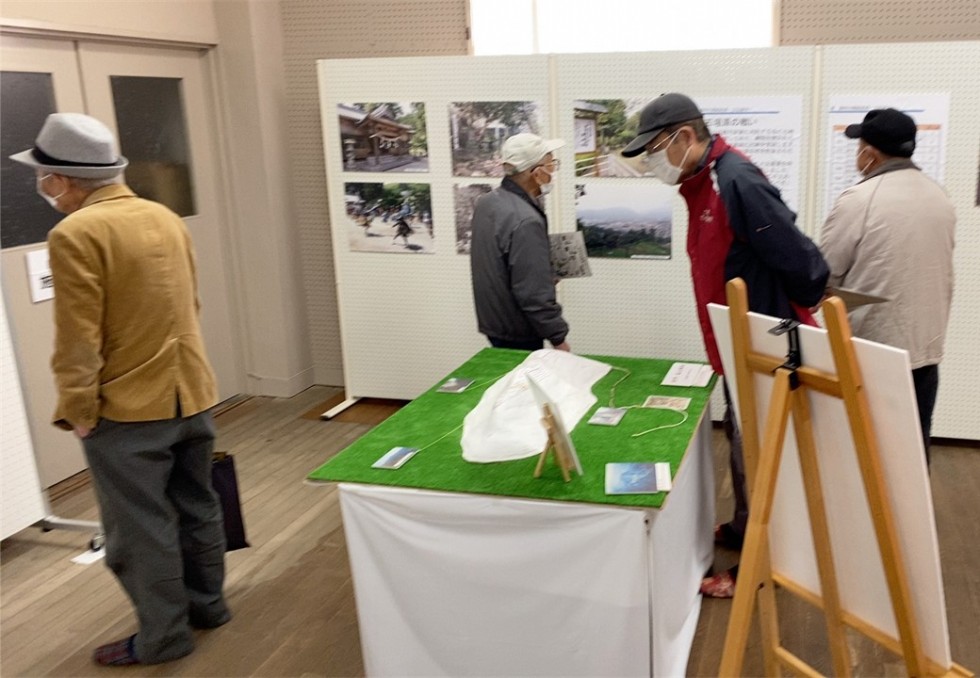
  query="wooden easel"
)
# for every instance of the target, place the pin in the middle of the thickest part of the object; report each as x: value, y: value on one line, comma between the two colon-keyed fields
x: 755, y: 578
x: 555, y: 446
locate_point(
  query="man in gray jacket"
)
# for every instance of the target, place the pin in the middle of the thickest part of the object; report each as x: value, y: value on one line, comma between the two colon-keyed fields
x: 891, y: 235
x: 513, y: 284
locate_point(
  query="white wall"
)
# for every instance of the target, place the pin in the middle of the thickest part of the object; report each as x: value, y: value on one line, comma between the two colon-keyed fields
x: 252, y: 102
x: 176, y: 20
x: 249, y: 99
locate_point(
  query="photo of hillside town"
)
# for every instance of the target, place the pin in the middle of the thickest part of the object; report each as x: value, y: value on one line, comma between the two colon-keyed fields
x: 625, y: 220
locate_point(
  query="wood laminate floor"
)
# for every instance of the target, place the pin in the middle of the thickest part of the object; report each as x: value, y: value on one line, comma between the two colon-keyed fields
x: 291, y: 592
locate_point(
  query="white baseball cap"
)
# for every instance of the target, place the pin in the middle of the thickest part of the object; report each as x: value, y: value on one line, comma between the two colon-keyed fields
x: 524, y: 151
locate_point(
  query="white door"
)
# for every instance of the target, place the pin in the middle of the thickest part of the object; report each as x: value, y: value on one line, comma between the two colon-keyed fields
x: 39, y: 77
x: 158, y: 101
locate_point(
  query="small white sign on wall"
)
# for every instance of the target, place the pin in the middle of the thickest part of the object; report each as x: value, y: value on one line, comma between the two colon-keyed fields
x: 584, y: 135
x: 39, y: 275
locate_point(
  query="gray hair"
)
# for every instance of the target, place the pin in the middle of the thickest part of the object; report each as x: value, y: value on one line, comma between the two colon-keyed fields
x: 89, y: 185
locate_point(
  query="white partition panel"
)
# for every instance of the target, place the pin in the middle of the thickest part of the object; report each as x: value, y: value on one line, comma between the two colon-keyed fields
x: 21, y: 498
x: 646, y: 308
x: 951, y: 69
x: 408, y: 319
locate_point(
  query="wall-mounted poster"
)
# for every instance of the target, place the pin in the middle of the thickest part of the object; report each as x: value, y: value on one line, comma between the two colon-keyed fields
x: 603, y: 127
x: 383, y: 137
x: 464, y: 200
x: 625, y: 220
x: 479, y: 128
x: 767, y: 129
x: 389, y: 217
x: 931, y: 115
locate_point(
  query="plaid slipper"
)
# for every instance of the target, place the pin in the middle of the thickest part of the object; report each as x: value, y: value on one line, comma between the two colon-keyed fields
x: 720, y: 585
x: 119, y: 653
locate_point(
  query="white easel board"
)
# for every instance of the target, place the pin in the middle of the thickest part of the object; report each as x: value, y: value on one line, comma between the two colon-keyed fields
x: 888, y: 384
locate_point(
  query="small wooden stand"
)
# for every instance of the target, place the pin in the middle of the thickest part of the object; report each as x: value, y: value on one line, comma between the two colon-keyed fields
x: 555, y: 446
x: 756, y: 578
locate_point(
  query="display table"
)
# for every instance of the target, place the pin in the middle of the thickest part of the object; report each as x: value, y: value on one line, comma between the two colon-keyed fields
x: 470, y: 573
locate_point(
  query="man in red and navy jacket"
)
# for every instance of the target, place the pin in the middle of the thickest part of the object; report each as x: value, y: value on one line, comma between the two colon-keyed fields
x: 738, y: 227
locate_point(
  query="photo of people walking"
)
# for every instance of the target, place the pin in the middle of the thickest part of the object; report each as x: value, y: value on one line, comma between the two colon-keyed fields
x: 389, y: 217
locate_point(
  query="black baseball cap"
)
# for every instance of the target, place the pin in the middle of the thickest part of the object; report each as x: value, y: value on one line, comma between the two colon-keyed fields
x: 664, y: 111
x: 890, y: 131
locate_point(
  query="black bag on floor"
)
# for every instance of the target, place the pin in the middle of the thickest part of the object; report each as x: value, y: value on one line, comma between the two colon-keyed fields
x: 225, y: 483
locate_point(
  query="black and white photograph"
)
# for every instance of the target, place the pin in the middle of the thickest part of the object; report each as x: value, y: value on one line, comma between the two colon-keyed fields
x: 625, y: 220
x: 569, y: 258
x: 478, y: 130
x: 603, y: 128
x: 389, y: 217
x: 383, y: 137
x: 464, y: 200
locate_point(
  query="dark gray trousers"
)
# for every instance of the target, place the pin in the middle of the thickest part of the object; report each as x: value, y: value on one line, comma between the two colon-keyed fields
x: 740, y: 516
x: 164, y: 532
x: 926, y: 382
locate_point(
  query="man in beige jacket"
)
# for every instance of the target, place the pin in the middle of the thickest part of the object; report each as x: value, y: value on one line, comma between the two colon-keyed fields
x: 891, y: 235
x: 135, y: 385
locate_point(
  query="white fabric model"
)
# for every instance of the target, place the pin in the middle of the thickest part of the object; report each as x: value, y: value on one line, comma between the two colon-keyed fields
x: 506, y: 423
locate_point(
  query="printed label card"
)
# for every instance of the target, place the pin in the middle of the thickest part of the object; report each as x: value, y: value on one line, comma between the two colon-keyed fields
x: 688, y: 374
x: 395, y: 457
x: 667, y: 402
x: 607, y: 416
x: 638, y: 477
x: 455, y: 385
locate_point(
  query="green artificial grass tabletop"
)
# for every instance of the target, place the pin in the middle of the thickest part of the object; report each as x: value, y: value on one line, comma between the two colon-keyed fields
x: 433, y: 423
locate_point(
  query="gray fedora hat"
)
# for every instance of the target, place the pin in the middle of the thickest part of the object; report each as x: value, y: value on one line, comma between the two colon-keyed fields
x: 74, y: 145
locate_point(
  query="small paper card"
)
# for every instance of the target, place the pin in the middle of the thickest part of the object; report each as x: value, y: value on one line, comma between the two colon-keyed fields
x: 89, y: 557
x: 688, y: 374
x: 455, y: 385
x: 607, y: 416
x: 638, y: 477
x: 395, y: 457
x: 667, y: 402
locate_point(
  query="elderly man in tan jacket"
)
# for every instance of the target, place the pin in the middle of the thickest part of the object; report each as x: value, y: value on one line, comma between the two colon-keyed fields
x: 891, y: 235
x: 135, y: 385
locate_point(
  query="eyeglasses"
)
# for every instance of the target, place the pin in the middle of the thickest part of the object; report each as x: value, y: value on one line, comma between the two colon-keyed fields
x: 554, y: 164
x: 663, y: 143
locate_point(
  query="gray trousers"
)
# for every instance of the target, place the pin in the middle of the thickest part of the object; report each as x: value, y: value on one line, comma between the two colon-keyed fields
x: 164, y: 532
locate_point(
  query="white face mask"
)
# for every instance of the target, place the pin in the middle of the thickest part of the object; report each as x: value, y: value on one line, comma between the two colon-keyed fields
x: 660, y: 166
x: 40, y: 191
